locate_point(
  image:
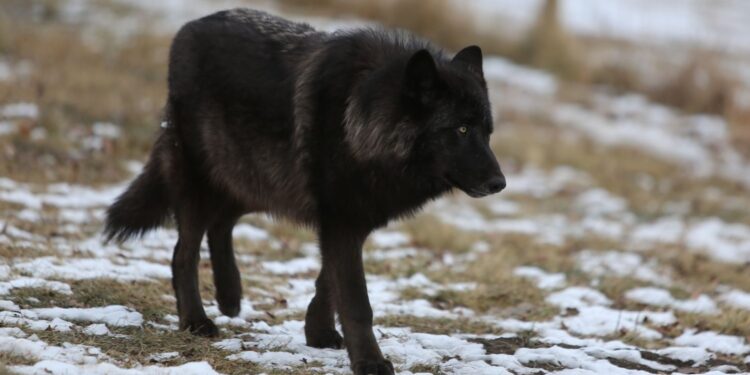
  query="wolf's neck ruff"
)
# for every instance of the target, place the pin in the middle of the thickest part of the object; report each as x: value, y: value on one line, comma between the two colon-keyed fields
x: 372, y: 138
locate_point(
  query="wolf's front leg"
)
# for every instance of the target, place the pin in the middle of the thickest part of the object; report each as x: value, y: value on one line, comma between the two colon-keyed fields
x: 341, y: 248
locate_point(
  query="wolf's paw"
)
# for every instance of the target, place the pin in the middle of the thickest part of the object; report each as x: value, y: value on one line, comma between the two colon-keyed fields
x: 373, y: 367
x: 204, y: 327
x: 326, y: 338
x: 229, y: 308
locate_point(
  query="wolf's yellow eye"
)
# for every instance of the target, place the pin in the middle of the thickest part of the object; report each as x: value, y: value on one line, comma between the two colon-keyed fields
x: 463, y: 130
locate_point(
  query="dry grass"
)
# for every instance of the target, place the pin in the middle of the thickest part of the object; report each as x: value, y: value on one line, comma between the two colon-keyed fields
x: 728, y: 321
x: 699, y: 272
x: 427, y: 231
x: 144, y: 297
x: 79, y: 78
x: 548, y: 45
x: 498, y: 290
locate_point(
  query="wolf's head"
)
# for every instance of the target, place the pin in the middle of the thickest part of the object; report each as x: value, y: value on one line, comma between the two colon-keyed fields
x: 437, y: 113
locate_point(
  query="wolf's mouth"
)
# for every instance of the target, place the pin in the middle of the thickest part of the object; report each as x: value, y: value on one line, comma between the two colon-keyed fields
x: 474, y: 193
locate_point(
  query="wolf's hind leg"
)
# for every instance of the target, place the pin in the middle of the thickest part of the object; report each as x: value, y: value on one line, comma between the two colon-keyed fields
x: 226, y: 275
x: 191, y: 225
x: 320, y: 329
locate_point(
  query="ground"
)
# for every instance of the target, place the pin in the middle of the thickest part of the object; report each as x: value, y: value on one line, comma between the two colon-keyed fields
x: 621, y: 245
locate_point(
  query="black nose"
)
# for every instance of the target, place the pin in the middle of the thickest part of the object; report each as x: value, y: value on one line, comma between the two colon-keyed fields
x: 494, y: 185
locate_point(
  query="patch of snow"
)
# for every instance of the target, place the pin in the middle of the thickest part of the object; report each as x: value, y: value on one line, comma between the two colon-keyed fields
x: 578, y: 297
x: 662, y: 231
x: 567, y: 358
x: 540, y: 184
x: 542, y: 279
x: 8, y: 305
x: 603, y: 321
x: 714, y: 342
x: 232, y: 345
x: 599, y: 202
x: 621, y: 264
x: 163, y: 357
x: 114, y: 315
x: 106, y: 130
x: 33, y: 348
x: 35, y: 283
x: 294, y: 266
x: 96, y: 329
x: 721, y: 241
x: 249, y: 232
x: 736, y: 298
x: 698, y: 356
x: 7, y: 127
x: 83, y: 268
x: 532, y: 80
x: 703, y: 304
x: 389, y: 238
x: 63, y: 368
x: 503, y: 207
x: 14, y: 110
x: 628, y: 355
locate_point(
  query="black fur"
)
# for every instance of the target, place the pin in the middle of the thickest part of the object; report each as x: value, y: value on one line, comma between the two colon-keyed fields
x: 340, y: 132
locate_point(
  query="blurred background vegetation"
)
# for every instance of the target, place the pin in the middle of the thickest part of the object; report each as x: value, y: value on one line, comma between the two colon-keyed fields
x: 67, y: 59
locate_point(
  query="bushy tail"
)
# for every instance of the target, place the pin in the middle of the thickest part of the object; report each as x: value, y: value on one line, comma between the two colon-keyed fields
x: 142, y: 207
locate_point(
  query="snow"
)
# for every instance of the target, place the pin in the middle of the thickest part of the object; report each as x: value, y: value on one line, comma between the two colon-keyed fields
x: 621, y: 264
x: 60, y: 195
x: 96, y: 329
x: 7, y: 127
x: 389, y: 239
x: 299, y: 265
x: 568, y: 358
x: 501, y: 70
x: 632, y: 133
x: 33, y: 348
x: 543, y: 279
x: 8, y: 305
x: 736, y: 298
x: 578, y: 297
x: 687, y: 354
x: 15, y: 110
x: 62, y: 368
x: 714, y: 342
x: 701, y: 304
x: 599, y: 202
x: 36, y: 283
x: 603, y: 321
x: 727, y: 242
x: 163, y: 357
x: 662, y: 231
x: 249, y: 232
x: 93, y: 268
x: 106, y: 130
x: 115, y: 315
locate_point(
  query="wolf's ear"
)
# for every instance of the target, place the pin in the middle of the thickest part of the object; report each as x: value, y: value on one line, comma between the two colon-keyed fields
x: 471, y: 58
x: 421, y: 79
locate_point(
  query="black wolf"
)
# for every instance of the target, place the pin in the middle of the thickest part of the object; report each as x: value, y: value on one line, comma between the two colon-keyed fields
x: 340, y: 132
